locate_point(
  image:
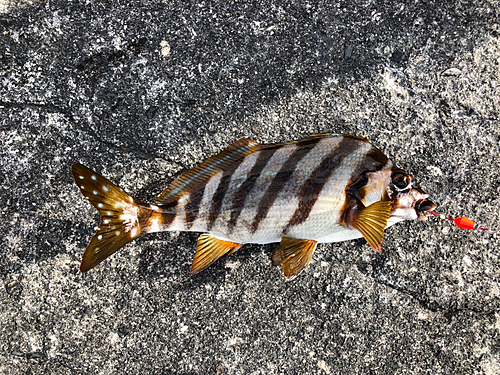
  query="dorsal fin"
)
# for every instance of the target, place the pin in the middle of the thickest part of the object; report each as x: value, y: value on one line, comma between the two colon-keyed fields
x: 327, y: 135
x: 207, y: 169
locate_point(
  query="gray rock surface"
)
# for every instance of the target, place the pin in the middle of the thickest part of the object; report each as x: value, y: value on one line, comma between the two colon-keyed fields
x: 142, y: 90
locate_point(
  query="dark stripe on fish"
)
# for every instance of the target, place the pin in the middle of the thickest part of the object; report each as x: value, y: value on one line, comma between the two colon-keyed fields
x: 246, y: 187
x: 313, y: 186
x: 219, y: 194
x: 193, y: 206
x: 281, y: 179
x: 167, y: 213
x: 374, y: 161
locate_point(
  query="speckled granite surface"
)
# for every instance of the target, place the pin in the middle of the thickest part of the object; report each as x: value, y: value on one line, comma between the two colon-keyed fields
x: 142, y: 90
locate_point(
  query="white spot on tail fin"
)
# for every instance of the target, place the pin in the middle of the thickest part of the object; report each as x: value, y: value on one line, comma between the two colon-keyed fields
x: 106, y: 221
x: 105, y: 188
x: 129, y: 218
x: 99, y: 237
x: 94, y: 177
x: 81, y: 177
x: 100, y: 205
x: 95, y: 192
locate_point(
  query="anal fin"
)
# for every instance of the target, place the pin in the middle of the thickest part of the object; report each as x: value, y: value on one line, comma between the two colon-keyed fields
x: 209, y: 249
x: 371, y: 222
x: 276, y: 259
x: 294, y: 255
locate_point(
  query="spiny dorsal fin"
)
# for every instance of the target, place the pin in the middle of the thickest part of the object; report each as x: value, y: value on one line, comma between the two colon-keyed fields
x: 208, y: 250
x: 207, y: 169
x: 295, y: 255
x: 329, y: 135
x: 371, y: 222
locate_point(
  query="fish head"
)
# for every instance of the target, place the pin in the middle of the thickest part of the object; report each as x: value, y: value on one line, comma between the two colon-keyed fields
x: 409, y: 201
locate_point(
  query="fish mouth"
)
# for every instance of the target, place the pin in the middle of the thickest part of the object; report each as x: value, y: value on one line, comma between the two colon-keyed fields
x: 423, y: 205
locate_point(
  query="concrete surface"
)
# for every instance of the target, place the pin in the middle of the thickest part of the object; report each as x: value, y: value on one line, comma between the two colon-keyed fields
x: 141, y: 90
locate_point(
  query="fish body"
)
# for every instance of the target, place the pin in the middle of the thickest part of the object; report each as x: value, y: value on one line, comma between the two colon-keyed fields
x: 321, y: 189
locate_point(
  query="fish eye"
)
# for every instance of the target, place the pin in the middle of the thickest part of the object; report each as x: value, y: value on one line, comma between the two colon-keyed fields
x: 400, y: 181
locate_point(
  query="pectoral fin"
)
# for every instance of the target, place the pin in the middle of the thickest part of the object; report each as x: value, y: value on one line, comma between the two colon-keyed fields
x: 371, y: 222
x: 294, y: 255
x: 209, y: 249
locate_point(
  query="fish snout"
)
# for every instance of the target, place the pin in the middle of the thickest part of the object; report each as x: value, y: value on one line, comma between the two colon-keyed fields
x: 423, y: 205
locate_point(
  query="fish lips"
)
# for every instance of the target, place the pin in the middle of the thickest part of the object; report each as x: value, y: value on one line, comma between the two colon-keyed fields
x: 423, y: 205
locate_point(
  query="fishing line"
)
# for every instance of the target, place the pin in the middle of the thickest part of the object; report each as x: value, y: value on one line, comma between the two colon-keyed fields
x: 461, y: 222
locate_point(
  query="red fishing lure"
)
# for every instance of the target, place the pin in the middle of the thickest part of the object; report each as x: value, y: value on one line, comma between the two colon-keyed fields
x: 461, y: 222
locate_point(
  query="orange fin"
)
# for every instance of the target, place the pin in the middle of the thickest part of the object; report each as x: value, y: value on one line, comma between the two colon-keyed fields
x: 208, y: 250
x: 207, y: 169
x: 119, y: 215
x: 331, y: 135
x: 371, y: 222
x: 295, y: 255
x: 276, y: 259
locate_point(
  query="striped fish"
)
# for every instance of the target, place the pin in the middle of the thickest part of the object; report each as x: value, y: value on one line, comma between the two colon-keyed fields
x: 321, y: 189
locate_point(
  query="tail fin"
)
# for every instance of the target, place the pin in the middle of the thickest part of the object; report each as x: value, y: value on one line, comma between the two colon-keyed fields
x: 120, y: 215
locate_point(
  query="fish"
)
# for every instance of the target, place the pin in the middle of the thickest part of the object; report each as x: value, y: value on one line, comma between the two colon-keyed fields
x: 321, y: 189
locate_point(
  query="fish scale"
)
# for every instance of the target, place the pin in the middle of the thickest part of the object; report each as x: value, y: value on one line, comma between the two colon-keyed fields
x: 324, y: 188
x: 231, y: 201
x: 327, y: 207
x: 271, y: 226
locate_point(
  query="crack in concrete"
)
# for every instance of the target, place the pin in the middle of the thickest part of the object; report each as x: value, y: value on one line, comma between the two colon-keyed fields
x: 428, y: 304
x: 38, y: 106
x: 377, y: 274
x: 87, y: 129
